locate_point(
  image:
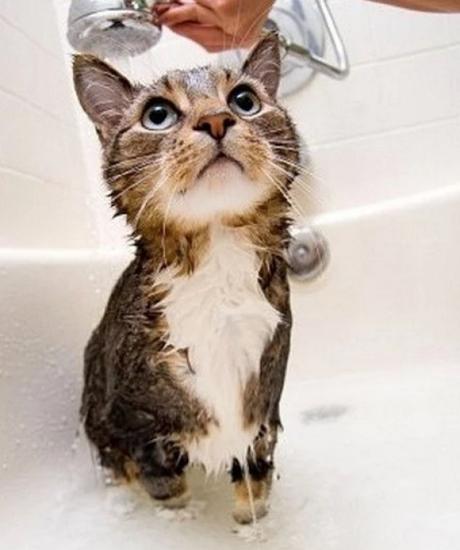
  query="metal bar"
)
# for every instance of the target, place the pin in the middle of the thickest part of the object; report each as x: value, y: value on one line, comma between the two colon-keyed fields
x: 341, y: 68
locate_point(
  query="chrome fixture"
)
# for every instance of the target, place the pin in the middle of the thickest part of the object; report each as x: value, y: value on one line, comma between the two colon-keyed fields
x: 307, y: 254
x: 112, y: 28
x: 305, y: 28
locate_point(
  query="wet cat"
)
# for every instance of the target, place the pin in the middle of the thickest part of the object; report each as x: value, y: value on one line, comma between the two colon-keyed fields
x: 188, y: 362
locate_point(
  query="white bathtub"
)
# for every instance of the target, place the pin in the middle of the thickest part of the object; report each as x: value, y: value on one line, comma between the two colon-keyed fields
x: 370, y: 456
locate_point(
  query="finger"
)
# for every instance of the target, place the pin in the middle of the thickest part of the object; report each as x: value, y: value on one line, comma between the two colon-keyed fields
x: 188, y: 13
x: 213, y: 39
x: 160, y: 8
x: 210, y: 4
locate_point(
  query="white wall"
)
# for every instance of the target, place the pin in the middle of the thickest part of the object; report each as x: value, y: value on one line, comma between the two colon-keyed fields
x: 390, y: 130
x: 41, y: 172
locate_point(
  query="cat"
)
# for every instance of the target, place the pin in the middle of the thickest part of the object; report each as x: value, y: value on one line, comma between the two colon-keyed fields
x: 188, y: 362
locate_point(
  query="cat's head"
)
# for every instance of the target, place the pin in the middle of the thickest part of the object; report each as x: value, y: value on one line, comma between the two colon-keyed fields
x: 195, y: 146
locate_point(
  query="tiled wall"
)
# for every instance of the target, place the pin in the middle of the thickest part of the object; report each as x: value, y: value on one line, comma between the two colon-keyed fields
x: 391, y: 130
x: 42, y: 177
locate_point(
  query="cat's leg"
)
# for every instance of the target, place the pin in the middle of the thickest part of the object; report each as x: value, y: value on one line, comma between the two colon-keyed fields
x: 161, y: 467
x: 115, y: 464
x: 252, y: 482
x: 261, y: 401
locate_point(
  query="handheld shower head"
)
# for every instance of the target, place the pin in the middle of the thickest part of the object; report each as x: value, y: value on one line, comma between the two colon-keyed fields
x: 112, y: 28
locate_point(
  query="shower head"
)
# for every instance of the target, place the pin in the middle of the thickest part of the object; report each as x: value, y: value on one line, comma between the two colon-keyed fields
x: 112, y: 28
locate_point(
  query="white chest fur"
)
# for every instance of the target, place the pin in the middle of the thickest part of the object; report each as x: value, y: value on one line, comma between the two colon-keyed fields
x: 222, y: 317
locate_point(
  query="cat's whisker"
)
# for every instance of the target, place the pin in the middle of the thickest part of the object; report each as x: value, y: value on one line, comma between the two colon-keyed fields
x: 139, y: 168
x: 274, y: 131
x: 299, y: 184
x: 279, y: 186
x: 149, y: 157
x: 165, y: 220
x: 284, y: 143
x: 148, y: 198
x: 290, y: 170
x: 135, y: 184
x: 285, y: 148
x: 300, y: 168
x: 291, y: 174
x: 133, y: 170
x: 302, y: 182
x: 296, y: 167
x: 133, y: 162
x: 135, y: 158
x: 278, y: 132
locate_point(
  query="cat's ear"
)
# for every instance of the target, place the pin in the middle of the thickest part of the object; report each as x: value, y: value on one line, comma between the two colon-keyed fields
x: 264, y: 63
x: 103, y: 92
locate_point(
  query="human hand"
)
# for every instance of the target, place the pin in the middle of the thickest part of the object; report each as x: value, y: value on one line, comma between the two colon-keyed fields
x: 216, y: 25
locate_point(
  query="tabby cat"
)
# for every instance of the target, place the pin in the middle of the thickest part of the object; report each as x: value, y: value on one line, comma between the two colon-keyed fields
x: 188, y: 363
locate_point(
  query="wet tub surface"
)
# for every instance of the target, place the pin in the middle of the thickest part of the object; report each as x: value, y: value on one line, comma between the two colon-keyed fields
x: 367, y: 461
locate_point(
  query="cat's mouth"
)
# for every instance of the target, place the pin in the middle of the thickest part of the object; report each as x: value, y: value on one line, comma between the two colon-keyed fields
x: 220, y: 160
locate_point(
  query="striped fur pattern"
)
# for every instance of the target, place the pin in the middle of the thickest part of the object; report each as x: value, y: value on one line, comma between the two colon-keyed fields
x: 188, y: 362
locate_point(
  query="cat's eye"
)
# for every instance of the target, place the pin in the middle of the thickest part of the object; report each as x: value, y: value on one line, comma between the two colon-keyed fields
x: 159, y: 115
x: 244, y: 102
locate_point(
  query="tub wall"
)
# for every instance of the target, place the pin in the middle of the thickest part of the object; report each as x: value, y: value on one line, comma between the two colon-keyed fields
x: 392, y: 128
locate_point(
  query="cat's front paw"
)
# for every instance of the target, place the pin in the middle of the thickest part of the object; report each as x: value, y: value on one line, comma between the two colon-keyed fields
x: 244, y: 513
x: 176, y: 502
x: 170, y: 491
x: 251, y: 500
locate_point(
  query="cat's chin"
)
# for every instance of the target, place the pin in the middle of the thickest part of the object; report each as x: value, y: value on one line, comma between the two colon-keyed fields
x: 219, y: 166
x: 221, y: 189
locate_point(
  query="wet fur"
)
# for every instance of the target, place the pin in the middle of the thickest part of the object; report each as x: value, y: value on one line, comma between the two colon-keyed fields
x: 143, y: 404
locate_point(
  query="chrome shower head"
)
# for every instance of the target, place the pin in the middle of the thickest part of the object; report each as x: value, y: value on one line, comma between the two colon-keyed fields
x: 112, y: 28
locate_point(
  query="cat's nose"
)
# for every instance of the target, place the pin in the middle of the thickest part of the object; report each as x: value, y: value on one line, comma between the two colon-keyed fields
x: 215, y: 125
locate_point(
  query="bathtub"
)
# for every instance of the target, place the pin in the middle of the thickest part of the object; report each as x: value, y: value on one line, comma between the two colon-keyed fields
x: 370, y: 453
